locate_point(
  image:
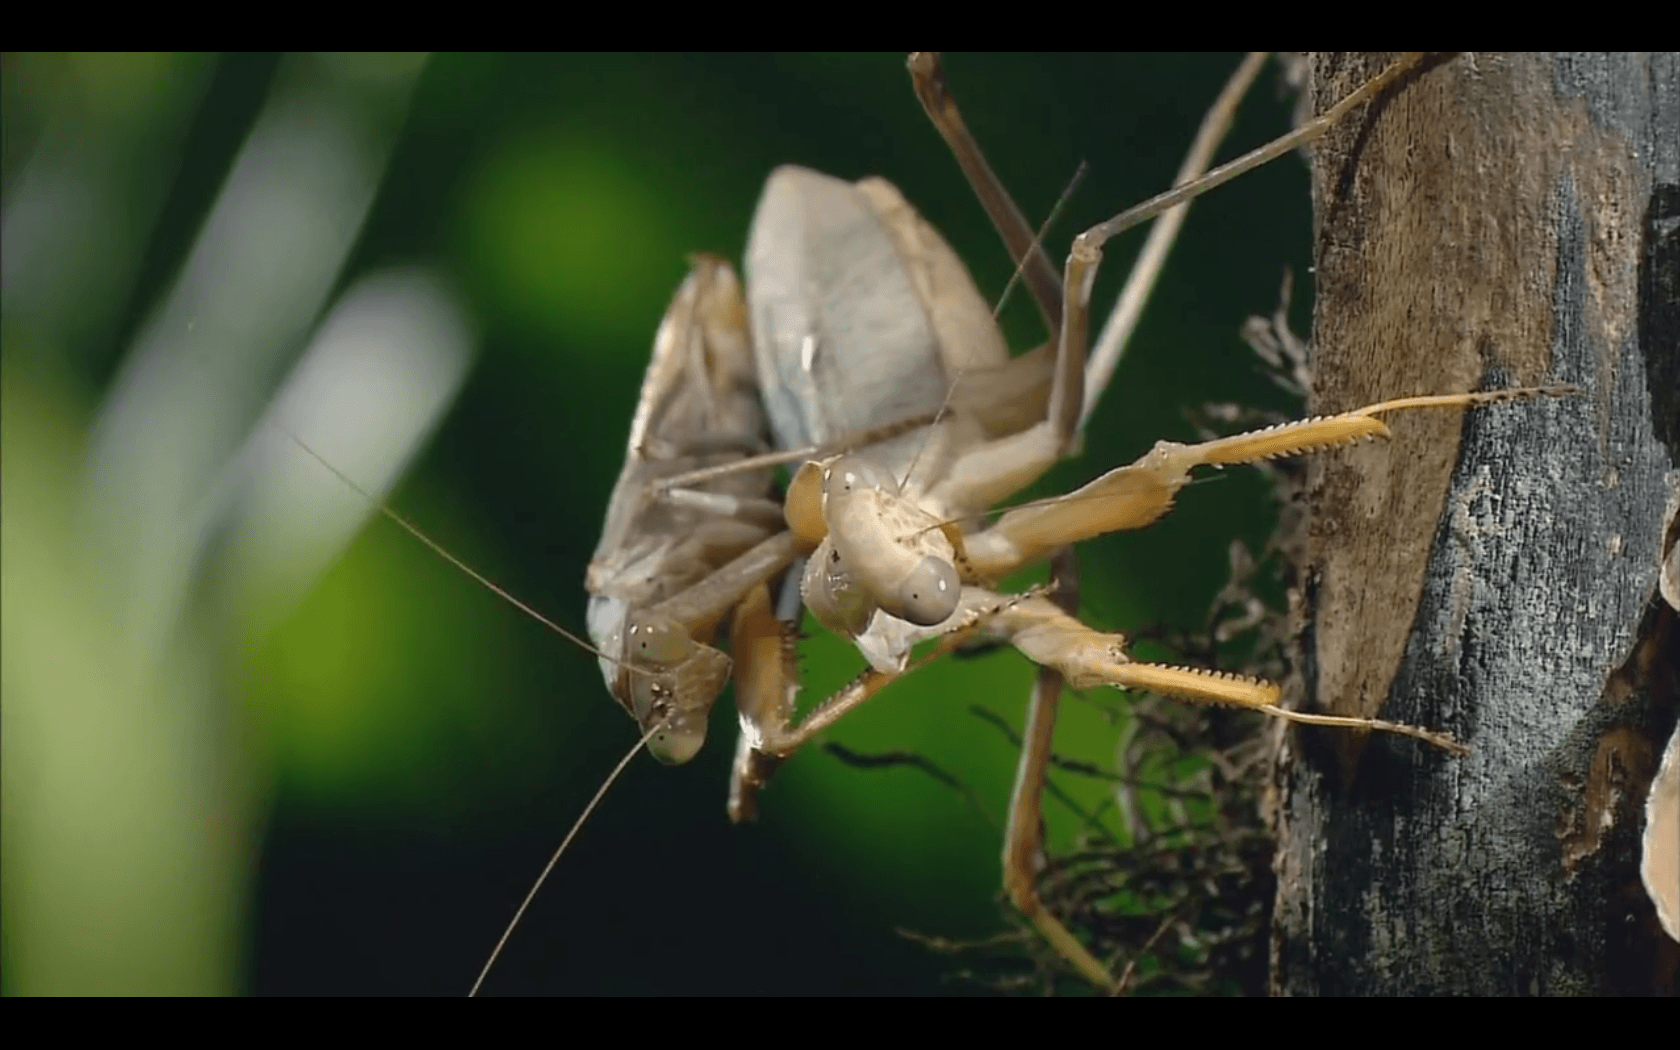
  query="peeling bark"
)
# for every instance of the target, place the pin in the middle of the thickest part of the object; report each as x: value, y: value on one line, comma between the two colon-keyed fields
x: 1498, y: 220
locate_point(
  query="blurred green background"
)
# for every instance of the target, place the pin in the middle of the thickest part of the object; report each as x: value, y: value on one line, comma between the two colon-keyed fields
x: 257, y: 743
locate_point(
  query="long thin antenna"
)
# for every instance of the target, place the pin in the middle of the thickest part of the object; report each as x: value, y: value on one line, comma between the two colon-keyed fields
x: 414, y: 530
x: 606, y: 784
x: 554, y: 859
x: 847, y: 442
x: 1079, y: 174
x: 927, y: 439
x: 1037, y: 244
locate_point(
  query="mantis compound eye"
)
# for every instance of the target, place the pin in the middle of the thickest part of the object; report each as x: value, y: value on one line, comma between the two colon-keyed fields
x: 656, y: 641
x: 847, y: 474
x: 928, y: 595
x: 833, y: 595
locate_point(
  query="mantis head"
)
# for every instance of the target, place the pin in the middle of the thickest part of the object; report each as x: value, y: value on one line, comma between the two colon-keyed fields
x: 881, y: 552
x: 669, y: 682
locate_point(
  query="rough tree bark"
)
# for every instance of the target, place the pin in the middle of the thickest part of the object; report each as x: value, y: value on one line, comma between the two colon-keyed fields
x: 1497, y: 220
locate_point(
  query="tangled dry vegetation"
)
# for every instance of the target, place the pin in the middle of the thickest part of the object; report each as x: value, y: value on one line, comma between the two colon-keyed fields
x: 1178, y: 899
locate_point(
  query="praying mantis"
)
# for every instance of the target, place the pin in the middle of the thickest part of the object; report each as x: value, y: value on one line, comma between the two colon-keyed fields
x: 892, y: 559
x: 906, y: 699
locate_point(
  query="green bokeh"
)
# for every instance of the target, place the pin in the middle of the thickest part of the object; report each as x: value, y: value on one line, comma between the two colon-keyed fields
x: 407, y: 747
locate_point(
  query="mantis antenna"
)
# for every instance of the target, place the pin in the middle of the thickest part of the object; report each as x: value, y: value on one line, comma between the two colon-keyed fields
x: 611, y: 778
x: 565, y: 843
x: 1037, y: 245
x: 414, y: 530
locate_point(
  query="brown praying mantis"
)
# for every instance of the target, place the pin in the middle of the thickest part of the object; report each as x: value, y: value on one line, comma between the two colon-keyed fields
x: 861, y: 318
x: 934, y: 485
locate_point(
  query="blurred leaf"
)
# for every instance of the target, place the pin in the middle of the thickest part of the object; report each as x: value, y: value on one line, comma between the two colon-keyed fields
x: 123, y: 819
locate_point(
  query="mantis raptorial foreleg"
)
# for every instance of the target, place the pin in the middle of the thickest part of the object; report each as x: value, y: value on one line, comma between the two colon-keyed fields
x: 992, y: 471
x: 1133, y: 496
x: 859, y: 567
x: 1129, y: 497
x: 1007, y: 464
x: 893, y: 565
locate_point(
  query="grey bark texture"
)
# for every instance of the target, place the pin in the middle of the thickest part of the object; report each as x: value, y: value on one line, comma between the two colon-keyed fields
x: 1495, y: 220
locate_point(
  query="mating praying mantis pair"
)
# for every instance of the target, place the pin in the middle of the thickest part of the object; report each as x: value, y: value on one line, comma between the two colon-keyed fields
x: 953, y: 488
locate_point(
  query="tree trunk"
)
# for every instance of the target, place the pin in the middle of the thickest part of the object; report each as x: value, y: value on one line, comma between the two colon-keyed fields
x: 1495, y: 220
